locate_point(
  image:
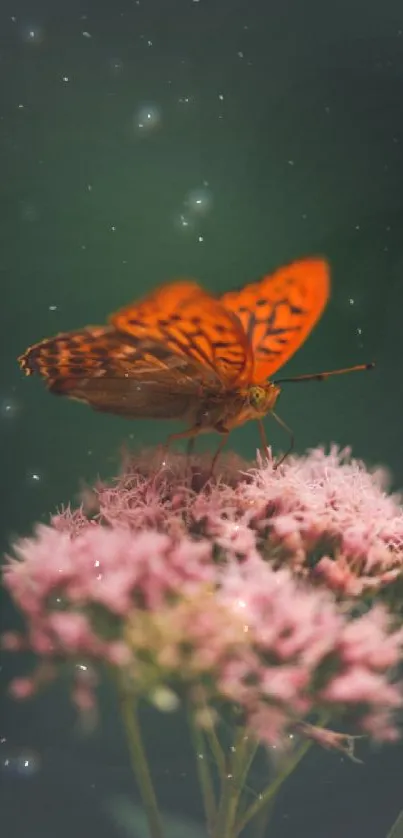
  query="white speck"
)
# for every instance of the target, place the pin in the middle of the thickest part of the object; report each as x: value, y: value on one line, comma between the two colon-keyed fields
x: 34, y: 477
x: 221, y: 97
x: 240, y: 603
x: 357, y: 227
x: 291, y: 162
x: 8, y: 408
x: 116, y: 66
x: 147, y: 118
x: 33, y: 35
x: 149, y: 43
x: 65, y: 79
x: 240, y: 54
x: 20, y: 107
x: 14, y: 19
x: 351, y: 301
x: 52, y: 308
x: 86, y: 34
x: 89, y: 187
x: 359, y: 331
x: 199, y: 201
x: 200, y: 239
x: 113, y: 228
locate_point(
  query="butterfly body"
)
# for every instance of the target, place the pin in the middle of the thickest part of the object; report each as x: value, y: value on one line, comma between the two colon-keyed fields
x: 181, y: 353
x: 223, y: 411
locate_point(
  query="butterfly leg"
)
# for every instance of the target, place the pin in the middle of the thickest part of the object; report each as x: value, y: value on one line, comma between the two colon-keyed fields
x: 263, y: 438
x: 190, y: 447
x: 221, y: 444
x: 190, y: 434
x: 221, y: 429
x: 291, y: 435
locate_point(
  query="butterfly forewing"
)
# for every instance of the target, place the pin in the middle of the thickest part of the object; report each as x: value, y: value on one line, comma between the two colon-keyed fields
x: 279, y: 311
x: 191, y: 323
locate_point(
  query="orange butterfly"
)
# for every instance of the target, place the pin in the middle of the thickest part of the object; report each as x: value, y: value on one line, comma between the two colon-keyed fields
x: 181, y: 353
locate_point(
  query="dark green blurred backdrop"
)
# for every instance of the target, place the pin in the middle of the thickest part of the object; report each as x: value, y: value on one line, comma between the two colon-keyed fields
x: 141, y: 140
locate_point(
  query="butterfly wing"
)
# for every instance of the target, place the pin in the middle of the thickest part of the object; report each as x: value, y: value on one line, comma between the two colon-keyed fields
x: 278, y: 312
x: 122, y: 376
x: 192, y: 324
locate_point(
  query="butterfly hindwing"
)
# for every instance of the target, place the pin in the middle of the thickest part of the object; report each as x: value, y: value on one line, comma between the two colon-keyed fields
x: 125, y: 377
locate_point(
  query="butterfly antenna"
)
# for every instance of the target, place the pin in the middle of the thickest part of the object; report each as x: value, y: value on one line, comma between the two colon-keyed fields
x: 321, y: 376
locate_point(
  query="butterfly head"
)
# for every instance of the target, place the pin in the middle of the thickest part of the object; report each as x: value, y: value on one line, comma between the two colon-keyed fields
x: 262, y: 398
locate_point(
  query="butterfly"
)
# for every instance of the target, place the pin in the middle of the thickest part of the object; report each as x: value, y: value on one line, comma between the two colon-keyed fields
x: 182, y: 353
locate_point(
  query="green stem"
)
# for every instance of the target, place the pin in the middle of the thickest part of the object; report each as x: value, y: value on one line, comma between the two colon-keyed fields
x: 223, y: 824
x: 262, y: 819
x: 266, y: 797
x: 203, y: 770
x: 233, y: 784
x: 216, y: 751
x: 397, y: 828
x: 139, y: 761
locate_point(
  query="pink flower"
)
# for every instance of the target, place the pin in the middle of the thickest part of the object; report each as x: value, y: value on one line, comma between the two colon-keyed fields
x: 22, y: 688
x: 359, y: 685
x: 72, y: 632
x: 241, y: 589
x: 330, y: 739
x: 366, y: 642
x: 11, y: 641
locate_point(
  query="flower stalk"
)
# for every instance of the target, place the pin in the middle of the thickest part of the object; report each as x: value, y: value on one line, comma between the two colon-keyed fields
x: 203, y: 771
x: 138, y: 759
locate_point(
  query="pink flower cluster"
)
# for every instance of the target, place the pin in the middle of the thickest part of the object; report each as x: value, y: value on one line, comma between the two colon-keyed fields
x: 324, y: 514
x: 225, y: 587
x: 307, y: 656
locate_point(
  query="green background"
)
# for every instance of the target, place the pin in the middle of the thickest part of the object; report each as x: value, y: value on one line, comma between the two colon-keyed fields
x: 292, y: 113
